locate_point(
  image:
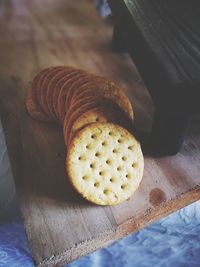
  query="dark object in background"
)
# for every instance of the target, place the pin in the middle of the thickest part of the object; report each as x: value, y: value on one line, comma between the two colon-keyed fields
x: 163, y: 38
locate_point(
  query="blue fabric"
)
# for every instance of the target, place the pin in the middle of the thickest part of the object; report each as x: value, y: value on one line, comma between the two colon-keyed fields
x: 172, y: 241
x: 103, y: 8
x: 14, y: 249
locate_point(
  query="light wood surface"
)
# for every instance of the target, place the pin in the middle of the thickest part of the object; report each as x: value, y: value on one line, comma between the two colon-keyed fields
x: 60, y: 225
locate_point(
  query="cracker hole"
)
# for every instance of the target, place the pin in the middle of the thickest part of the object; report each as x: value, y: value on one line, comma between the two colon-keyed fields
x: 84, y: 177
x: 97, y: 154
x: 115, y: 151
x: 104, y: 143
x: 112, y: 180
x: 106, y: 191
x: 80, y: 158
x: 119, y: 141
x: 128, y: 176
x: 100, y: 173
x: 88, y: 146
x: 123, y: 186
x: 124, y: 158
x: 93, y: 136
x: 96, y: 184
x: 97, y: 119
x: 108, y: 161
x: 130, y: 147
x: 134, y: 165
x: 110, y: 133
x: 92, y: 165
x: 119, y: 168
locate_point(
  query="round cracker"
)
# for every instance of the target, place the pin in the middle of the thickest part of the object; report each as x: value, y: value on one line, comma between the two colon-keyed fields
x: 32, y: 102
x: 82, y: 105
x: 33, y: 94
x: 85, y: 90
x: 86, y: 118
x: 71, y: 90
x: 41, y: 84
x: 112, y: 91
x: 106, y: 111
x: 93, y: 115
x: 44, y: 88
x: 105, y: 163
x: 33, y: 110
x: 62, y: 97
x: 75, y: 111
x: 78, y: 86
x: 58, y: 87
x: 65, y: 72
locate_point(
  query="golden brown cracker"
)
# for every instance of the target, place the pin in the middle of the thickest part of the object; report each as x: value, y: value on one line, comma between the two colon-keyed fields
x: 65, y: 72
x: 33, y: 110
x: 75, y: 111
x: 62, y: 97
x: 58, y: 86
x: 44, y: 88
x: 105, y: 163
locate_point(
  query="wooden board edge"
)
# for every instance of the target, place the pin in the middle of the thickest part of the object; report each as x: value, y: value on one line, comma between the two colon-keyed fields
x: 153, y: 214
x: 128, y: 227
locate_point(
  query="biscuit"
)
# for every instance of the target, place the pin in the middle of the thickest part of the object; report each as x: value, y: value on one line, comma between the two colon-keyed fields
x: 34, y: 88
x: 85, y: 90
x: 105, y: 163
x: 41, y: 83
x: 44, y: 88
x: 75, y: 111
x: 74, y: 86
x: 106, y: 111
x: 58, y: 86
x: 62, y: 101
x: 112, y: 91
x: 65, y: 72
x: 78, y: 86
x: 82, y: 105
x: 33, y: 110
x: 32, y: 103
x: 93, y: 115
x: 86, y: 118
x: 109, y: 90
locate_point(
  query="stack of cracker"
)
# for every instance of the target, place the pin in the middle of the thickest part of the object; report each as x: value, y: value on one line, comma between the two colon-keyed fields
x: 104, y: 161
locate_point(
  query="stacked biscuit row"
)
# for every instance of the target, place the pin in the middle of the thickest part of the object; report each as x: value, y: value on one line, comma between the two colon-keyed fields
x: 104, y: 161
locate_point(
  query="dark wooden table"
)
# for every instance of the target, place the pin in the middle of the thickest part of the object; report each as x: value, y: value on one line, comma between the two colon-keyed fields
x: 163, y: 38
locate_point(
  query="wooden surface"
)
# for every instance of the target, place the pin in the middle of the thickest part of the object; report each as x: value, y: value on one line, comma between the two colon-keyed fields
x: 60, y: 225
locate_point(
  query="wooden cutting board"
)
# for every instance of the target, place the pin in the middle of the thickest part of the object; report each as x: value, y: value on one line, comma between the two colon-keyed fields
x: 60, y: 225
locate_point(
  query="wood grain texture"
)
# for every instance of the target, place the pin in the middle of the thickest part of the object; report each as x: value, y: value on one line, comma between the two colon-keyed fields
x: 60, y: 225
